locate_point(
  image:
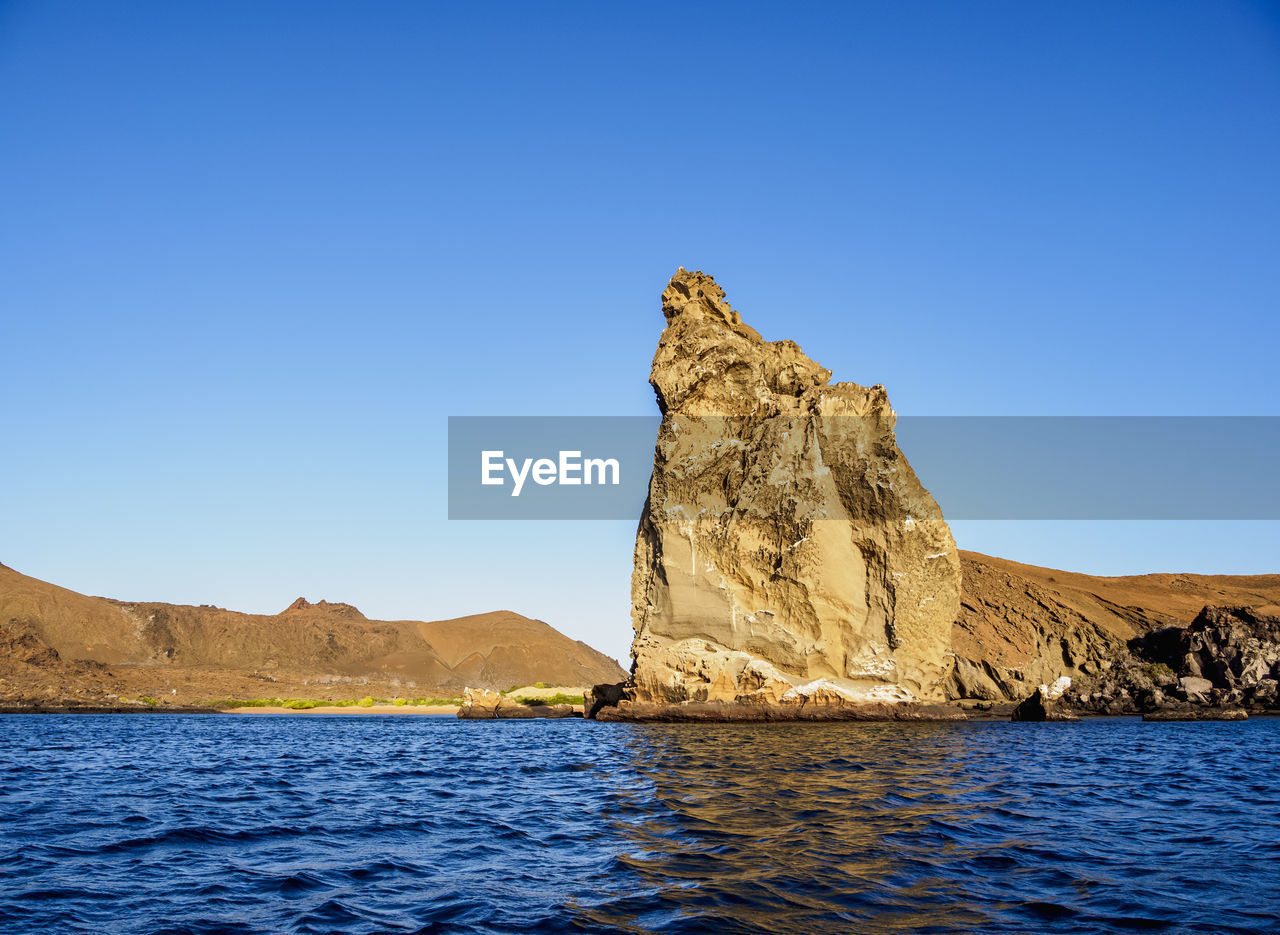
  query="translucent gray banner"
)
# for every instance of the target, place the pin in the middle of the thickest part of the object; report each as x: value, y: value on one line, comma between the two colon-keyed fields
x: 976, y: 467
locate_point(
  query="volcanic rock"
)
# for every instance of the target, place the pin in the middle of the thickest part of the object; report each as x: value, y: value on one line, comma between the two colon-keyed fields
x: 20, y: 643
x: 601, y: 696
x: 1021, y: 626
x: 1044, y: 704
x: 1195, y: 689
x: 787, y: 555
x: 479, y: 703
x: 1189, y: 713
x: 485, y: 704
x: 718, y: 711
x: 324, y: 607
x: 1224, y: 647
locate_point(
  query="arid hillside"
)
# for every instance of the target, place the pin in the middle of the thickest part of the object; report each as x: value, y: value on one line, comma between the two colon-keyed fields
x: 56, y: 643
x: 1021, y: 625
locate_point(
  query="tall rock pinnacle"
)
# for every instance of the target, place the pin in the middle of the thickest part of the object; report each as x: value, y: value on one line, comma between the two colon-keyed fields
x: 787, y: 555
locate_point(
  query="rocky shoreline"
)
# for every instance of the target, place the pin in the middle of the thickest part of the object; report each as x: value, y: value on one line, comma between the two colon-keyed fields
x: 789, y: 566
x: 47, y: 707
x: 1223, y: 666
x: 640, y: 712
x: 1227, y: 658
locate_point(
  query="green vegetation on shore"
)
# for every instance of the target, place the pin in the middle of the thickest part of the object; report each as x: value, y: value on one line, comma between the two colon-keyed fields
x: 304, y: 704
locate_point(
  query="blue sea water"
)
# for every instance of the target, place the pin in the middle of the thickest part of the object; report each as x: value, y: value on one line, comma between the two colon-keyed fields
x: 147, y: 824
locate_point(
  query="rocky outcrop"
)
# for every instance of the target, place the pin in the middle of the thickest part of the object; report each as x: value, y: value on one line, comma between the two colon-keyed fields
x: 787, y: 556
x: 302, y: 605
x: 1224, y: 647
x: 1198, y: 714
x: 1226, y: 658
x: 1021, y: 626
x: 485, y: 704
x: 1044, y: 704
x: 602, y: 696
x: 21, y: 644
x: 1014, y: 632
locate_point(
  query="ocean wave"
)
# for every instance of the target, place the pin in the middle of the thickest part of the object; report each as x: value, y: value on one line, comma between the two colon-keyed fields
x: 181, y: 824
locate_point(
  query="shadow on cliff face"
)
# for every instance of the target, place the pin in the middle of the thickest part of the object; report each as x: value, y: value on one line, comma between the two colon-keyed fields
x: 813, y: 828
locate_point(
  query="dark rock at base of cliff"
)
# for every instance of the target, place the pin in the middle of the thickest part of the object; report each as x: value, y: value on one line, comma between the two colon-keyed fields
x: 1266, y: 693
x: 1190, y: 713
x: 1150, y: 699
x: 1227, y: 658
x: 977, y: 709
x: 602, y: 696
x: 722, y: 711
x: 1224, y: 647
x: 1040, y: 707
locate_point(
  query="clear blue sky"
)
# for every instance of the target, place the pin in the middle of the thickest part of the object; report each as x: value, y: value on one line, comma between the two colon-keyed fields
x: 253, y: 254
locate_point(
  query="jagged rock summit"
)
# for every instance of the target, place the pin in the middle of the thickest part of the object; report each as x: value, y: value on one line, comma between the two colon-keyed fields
x: 324, y: 607
x: 787, y: 560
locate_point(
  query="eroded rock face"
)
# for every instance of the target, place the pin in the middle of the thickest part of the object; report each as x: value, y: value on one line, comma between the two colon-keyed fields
x: 1226, y: 657
x: 1044, y: 704
x: 787, y: 554
x: 486, y: 704
x: 1120, y: 639
x: 1013, y: 633
x: 1224, y: 647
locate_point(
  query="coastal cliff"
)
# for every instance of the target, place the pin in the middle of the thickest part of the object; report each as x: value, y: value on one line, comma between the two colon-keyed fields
x: 788, y: 562
x: 1128, y: 644
x: 790, y: 565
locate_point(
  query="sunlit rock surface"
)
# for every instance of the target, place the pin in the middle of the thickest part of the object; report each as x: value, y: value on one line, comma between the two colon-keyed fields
x: 787, y: 555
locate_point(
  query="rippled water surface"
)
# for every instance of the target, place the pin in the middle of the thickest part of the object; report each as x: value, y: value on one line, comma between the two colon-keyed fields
x: 133, y: 824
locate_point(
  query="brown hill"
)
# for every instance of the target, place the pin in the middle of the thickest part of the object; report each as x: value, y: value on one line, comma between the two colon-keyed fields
x: 56, y: 642
x: 1021, y: 625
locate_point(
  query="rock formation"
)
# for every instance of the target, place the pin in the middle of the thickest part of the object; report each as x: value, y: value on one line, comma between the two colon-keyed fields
x: 1043, y: 704
x: 1021, y: 626
x: 486, y: 704
x: 1224, y: 647
x: 1197, y: 714
x: 787, y: 556
x: 1226, y: 659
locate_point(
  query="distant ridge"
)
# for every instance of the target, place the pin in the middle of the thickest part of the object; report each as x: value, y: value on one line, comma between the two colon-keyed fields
x: 63, y: 641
